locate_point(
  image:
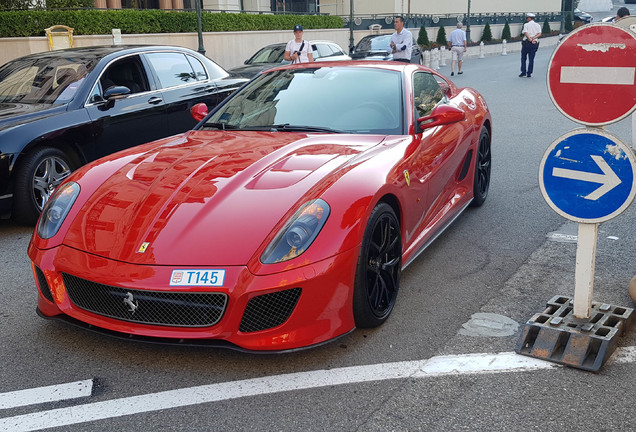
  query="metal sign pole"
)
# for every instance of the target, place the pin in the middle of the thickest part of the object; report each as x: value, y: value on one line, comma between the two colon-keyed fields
x: 634, y: 130
x: 584, y: 272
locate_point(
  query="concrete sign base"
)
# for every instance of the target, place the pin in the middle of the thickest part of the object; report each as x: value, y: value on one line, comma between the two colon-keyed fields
x: 558, y: 336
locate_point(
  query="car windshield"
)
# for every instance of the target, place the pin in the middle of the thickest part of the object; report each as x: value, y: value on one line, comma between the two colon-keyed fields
x: 45, y: 80
x: 376, y: 43
x: 269, y: 54
x: 329, y: 99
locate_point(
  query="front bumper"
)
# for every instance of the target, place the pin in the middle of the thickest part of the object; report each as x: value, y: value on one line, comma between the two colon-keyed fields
x: 298, y: 308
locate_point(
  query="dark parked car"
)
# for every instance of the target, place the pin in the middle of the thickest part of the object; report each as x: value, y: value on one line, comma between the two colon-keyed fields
x: 583, y: 17
x: 375, y: 47
x: 62, y: 109
x: 273, y: 55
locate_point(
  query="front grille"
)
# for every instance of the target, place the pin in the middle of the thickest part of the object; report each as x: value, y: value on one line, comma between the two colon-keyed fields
x: 180, y: 309
x: 44, y: 285
x: 269, y: 310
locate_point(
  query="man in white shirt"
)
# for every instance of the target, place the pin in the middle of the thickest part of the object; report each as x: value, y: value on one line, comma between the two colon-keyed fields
x: 458, y: 48
x: 401, y: 42
x: 298, y: 50
x: 529, y: 44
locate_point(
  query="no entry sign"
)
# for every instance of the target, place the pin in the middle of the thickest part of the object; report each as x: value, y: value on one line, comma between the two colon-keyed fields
x: 591, y: 76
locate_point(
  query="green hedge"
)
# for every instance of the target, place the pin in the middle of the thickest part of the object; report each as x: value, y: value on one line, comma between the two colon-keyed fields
x: 23, y: 23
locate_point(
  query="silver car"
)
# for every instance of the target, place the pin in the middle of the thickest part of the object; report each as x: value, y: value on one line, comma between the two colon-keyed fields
x: 273, y: 55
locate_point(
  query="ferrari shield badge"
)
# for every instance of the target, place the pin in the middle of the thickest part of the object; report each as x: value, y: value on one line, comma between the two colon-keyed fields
x: 143, y: 247
x: 407, y: 178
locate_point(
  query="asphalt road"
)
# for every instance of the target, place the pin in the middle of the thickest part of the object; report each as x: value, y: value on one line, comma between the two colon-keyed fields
x: 497, y: 259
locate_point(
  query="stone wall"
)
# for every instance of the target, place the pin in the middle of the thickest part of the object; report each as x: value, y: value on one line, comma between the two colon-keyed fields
x: 228, y: 49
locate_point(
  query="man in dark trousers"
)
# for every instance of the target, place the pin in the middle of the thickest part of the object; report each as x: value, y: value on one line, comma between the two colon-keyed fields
x: 530, y: 43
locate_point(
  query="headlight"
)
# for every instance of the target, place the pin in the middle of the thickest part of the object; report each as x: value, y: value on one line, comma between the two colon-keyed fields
x: 56, y: 209
x: 298, y: 234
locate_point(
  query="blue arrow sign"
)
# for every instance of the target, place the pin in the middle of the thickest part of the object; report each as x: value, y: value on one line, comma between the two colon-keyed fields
x: 588, y: 176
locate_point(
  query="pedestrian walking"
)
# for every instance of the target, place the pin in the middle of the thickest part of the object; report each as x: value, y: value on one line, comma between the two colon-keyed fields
x: 458, y: 48
x: 529, y: 44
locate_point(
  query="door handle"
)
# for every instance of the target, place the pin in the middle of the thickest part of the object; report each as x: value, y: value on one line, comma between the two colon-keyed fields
x: 155, y: 100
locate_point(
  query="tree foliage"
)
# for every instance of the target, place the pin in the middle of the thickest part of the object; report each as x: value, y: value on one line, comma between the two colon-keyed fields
x: 546, y: 30
x: 422, y: 37
x: 505, y: 33
x: 486, y: 35
x: 441, y: 37
x: 69, y: 4
x: 22, y: 23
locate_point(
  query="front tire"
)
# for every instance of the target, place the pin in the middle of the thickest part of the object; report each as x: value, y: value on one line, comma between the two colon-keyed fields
x: 36, y: 178
x: 379, y: 267
x: 481, y: 182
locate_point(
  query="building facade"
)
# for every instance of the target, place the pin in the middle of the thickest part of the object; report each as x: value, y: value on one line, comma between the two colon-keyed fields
x: 342, y: 7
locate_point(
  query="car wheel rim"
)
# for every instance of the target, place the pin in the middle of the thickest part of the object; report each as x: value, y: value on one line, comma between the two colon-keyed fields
x: 384, y: 260
x: 48, y: 175
x: 483, y: 165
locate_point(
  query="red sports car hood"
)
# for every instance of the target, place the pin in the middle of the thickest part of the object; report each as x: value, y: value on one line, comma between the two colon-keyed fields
x: 207, y: 197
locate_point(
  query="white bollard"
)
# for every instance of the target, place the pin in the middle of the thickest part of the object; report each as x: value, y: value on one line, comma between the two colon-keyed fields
x: 481, y: 49
x: 503, y: 44
x: 427, y: 58
x: 116, y: 36
x: 435, y: 59
x: 442, y: 56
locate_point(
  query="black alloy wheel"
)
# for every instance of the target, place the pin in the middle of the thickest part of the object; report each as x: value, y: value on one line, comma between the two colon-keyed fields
x: 379, y: 268
x: 482, y: 169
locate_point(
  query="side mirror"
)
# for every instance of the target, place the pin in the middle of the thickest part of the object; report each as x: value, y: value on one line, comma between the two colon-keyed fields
x: 116, y: 92
x: 199, y: 111
x: 111, y: 94
x: 441, y: 115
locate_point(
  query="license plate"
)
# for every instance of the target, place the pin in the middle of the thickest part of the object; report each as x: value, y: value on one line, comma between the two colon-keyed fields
x: 210, y: 277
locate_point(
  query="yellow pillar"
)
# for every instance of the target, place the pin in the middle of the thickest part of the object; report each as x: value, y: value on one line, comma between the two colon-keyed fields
x: 100, y: 4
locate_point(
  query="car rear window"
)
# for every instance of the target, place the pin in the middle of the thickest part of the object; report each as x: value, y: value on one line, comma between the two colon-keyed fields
x: 46, y: 80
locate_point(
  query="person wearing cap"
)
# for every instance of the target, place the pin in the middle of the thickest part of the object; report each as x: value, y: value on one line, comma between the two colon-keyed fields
x: 297, y: 49
x: 621, y: 13
x: 529, y: 44
x: 401, y: 42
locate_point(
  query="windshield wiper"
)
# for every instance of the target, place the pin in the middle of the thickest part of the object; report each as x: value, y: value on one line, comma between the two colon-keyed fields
x: 300, y: 128
x: 220, y: 126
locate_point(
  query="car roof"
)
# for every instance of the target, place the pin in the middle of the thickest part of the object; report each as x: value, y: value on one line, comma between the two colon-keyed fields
x: 105, y: 50
x: 373, y: 64
x: 312, y: 41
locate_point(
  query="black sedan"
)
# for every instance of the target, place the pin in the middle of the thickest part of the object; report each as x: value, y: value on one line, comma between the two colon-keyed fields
x: 375, y: 47
x: 62, y: 109
x: 273, y: 55
x: 583, y: 17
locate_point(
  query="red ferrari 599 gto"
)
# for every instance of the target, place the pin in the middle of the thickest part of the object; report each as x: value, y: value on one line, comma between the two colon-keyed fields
x: 283, y: 220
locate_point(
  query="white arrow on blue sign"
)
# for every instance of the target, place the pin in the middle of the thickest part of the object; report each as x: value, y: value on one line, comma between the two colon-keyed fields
x: 588, y: 176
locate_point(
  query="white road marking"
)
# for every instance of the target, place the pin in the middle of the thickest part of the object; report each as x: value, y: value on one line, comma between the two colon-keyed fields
x: 52, y: 393
x: 609, y: 180
x: 597, y: 75
x: 434, y: 367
